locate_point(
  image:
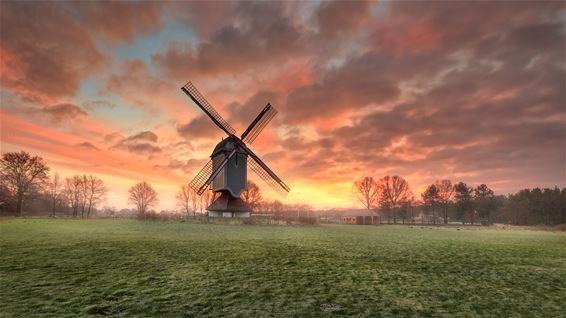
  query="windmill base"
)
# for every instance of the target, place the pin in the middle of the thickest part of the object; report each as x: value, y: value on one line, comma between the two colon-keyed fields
x: 215, y: 214
x: 227, y: 206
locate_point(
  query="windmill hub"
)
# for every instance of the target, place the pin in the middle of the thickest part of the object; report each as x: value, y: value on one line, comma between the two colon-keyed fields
x: 226, y: 172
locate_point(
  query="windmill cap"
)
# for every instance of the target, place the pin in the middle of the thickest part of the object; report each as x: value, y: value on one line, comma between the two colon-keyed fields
x: 226, y: 145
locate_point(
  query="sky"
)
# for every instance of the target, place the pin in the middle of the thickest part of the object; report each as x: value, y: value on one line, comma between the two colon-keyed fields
x: 459, y: 90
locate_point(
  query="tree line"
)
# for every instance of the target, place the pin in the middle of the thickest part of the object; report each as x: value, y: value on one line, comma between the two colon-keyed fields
x: 25, y: 183
x: 443, y: 202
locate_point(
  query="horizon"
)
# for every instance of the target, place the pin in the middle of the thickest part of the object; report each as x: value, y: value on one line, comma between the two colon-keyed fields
x: 361, y: 88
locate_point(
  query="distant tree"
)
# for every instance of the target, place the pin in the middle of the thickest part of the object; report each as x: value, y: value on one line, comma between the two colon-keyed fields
x: 194, y: 198
x: 406, y: 210
x: 445, y: 193
x: 366, y: 191
x: 109, y: 211
x: 207, y: 197
x: 74, y: 193
x: 143, y: 196
x: 252, y: 195
x: 183, y: 198
x: 94, y: 192
x: 54, y: 192
x: 485, y: 201
x: 7, y: 203
x: 20, y: 173
x: 277, y: 208
x: 431, y: 199
x: 463, y: 195
x: 392, y: 193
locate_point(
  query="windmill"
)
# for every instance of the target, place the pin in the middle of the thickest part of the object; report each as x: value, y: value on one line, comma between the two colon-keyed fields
x: 226, y: 171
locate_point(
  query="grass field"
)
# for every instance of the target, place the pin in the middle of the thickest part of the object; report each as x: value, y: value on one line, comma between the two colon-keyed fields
x: 132, y: 268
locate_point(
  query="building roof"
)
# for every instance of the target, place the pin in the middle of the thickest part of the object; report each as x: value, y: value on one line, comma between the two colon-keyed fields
x: 361, y: 213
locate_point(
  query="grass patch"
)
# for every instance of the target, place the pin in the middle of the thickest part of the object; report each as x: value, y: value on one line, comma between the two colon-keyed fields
x: 69, y: 268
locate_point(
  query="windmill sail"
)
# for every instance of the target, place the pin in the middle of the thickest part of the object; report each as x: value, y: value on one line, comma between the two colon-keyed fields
x: 197, y: 97
x: 199, y: 181
x: 260, y: 172
x: 263, y: 171
x: 255, y: 128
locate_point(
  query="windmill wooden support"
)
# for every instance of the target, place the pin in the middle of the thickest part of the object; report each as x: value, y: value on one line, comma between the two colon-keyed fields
x: 226, y: 172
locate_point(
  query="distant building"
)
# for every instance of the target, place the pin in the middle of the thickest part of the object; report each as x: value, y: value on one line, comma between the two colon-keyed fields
x: 360, y: 217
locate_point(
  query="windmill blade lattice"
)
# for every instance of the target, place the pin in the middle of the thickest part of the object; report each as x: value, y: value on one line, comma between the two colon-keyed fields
x: 260, y: 172
x: 255, y: 128
x: 199, y: 181
x: 197, y: 97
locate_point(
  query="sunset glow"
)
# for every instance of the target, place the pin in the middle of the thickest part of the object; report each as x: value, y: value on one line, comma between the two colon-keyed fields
x: 469, y: 91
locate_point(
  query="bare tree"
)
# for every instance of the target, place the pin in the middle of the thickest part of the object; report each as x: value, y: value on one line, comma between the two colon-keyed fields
x: 366, y: 191
x: 393, y: 192
x: 206, y: 199
x: 21, y: 172
x: 194, y: 197
x: 143, y: 196
x: 445, y: 193
x: 73, y: 192
x: 55, y: 192
x: 95, y: 191
x: 184, y: 198
x: 252, y: 195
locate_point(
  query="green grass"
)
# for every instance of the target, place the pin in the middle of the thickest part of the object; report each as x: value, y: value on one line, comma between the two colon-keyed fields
x: 73, y: 268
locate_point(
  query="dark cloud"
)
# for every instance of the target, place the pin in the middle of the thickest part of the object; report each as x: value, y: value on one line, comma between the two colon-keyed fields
x: 205, y: 17
x: 87, y: 145
x: 45, y: 51
x: 198, y: 128
x: 356, y: 84
x: 122, y: 20
x: 113, y: 137
x: 48, y: 47
x: 143, y: 136
x: 339, y: 17
x: 263, y: 33
x: 63, y: 112
x: 142, y: 143
x: 494, y: 113
x: 245, y: 113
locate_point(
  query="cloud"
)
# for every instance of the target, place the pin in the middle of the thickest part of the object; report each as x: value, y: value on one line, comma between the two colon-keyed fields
x: 87, y: 145
x: 199, y: 128
x: 122, y: 20
x: 143, y: 136
x: 45, y: 52
x: 99, y: 104
x: 141, y: 143
x: 205, y: 17
x: 339, y: 17
x: 243, y: 114
x: 358, y: 83
x: 262, y: 34
x: 113, y: 137
x: 63, y: 112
